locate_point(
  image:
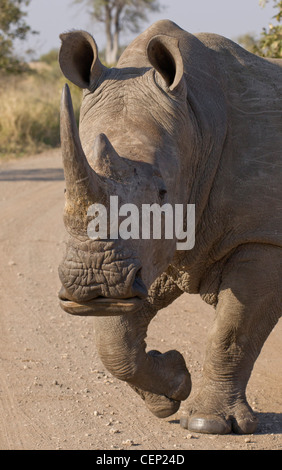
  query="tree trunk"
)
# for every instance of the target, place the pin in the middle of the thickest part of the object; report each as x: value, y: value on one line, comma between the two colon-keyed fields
x: 108, y: 27
x: 112, y: 46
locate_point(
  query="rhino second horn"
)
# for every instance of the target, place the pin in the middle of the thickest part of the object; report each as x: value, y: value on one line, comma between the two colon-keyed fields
x: 106, y: 161
x: 83, y: 185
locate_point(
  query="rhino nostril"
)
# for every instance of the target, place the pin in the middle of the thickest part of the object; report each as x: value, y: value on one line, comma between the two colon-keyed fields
x: 138, y: 287
x: 63, y: 294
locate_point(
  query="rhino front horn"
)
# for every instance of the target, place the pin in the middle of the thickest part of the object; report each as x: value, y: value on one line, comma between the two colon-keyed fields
x: 83, y: 186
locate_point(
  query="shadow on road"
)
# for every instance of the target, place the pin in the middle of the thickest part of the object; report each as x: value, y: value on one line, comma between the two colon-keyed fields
x: 269, y: 423
x: 40, y: 174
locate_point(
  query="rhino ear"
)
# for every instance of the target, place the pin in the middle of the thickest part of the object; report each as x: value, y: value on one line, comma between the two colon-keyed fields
x: 165, y: 56
x: 78, y: 58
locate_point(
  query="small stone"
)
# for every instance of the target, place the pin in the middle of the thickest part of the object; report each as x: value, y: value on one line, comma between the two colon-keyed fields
x: 128, y: 442
x: 114, y: 431
x: 189, y: 436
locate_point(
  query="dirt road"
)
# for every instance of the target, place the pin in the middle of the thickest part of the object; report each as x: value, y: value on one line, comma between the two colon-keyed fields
x: 54, y: 391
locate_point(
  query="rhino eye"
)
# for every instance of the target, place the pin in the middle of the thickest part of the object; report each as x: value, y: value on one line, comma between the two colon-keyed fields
x: 162, y: 193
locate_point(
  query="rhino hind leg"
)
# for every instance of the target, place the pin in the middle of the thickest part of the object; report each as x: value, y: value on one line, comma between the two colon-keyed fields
x: 249, y: 306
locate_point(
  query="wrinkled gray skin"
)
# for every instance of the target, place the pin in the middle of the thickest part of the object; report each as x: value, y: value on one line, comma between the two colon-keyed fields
x: 181, y: 119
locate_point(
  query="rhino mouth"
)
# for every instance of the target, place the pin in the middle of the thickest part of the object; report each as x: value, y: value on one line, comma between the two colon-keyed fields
x: 102, y: 306
x: 123, y: 295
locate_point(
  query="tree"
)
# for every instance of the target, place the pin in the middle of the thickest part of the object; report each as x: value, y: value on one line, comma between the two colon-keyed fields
x: 12, y: 27
x: 248, y: 41
x: 117, y: 16
x: 270, y: 43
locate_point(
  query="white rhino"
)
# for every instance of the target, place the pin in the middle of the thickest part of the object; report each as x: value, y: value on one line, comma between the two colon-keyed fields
x: 181, y: 119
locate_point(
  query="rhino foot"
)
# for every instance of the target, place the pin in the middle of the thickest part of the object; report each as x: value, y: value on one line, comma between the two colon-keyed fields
x: 220, y: 417
x: 160, y: 405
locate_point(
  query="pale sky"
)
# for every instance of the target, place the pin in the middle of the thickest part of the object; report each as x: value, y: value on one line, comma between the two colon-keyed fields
x: 230, y: 18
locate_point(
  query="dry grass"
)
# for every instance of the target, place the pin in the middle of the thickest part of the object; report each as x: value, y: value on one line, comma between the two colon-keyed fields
x: 29, y: 111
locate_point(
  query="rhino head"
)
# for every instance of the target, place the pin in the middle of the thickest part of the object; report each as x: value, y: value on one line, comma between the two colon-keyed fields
x: 128, y: 146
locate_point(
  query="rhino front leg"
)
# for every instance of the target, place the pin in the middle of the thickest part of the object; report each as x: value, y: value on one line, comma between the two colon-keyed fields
x: 162, y: 380
x: 248, y: 307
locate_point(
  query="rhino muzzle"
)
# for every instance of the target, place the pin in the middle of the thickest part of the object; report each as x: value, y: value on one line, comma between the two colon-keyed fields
x: 129, y: 300
x: 97, y: 288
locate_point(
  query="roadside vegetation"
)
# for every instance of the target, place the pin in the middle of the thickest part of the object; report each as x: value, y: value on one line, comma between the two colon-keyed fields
x: 30, y: 104
x: 29, y: 93
x: 269, y: 44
